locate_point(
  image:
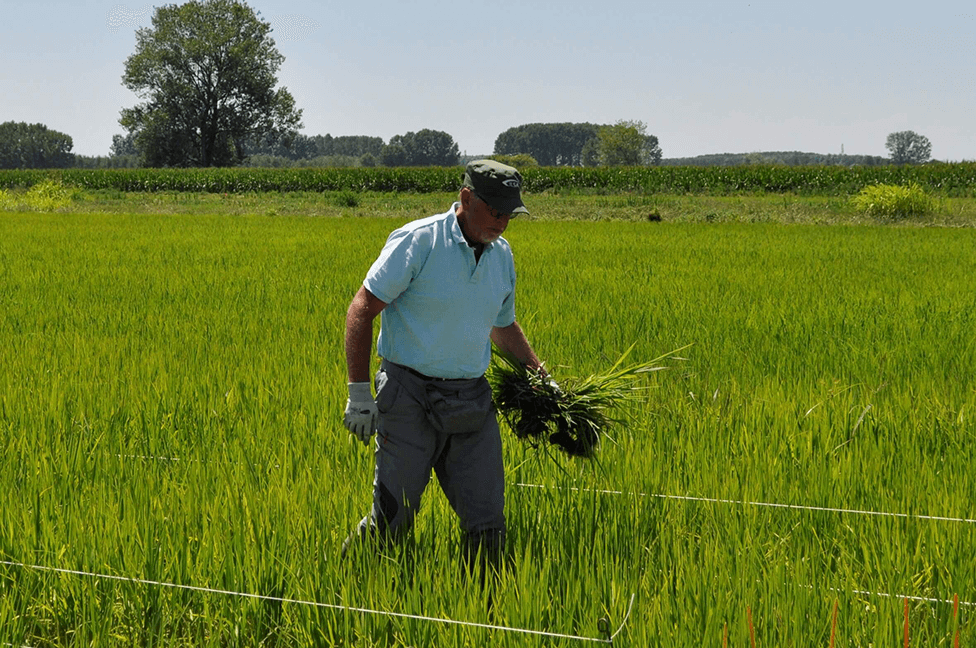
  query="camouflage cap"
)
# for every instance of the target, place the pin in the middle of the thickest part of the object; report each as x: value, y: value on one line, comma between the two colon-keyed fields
x: 497, y: 184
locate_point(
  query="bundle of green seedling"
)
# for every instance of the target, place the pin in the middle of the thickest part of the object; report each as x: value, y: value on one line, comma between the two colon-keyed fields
x: 573, y: 415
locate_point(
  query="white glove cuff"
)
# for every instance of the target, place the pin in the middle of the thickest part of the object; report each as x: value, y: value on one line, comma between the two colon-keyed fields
x: 359, y: 392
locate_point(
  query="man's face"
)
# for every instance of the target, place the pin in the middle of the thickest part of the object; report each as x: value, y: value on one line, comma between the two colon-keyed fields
x: 481, y: 222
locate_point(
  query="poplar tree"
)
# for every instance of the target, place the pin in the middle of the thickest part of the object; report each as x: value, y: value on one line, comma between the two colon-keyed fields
x: 206, y: 72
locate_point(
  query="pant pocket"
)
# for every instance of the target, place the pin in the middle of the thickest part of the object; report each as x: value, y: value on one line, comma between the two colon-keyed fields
x: 387, y: 390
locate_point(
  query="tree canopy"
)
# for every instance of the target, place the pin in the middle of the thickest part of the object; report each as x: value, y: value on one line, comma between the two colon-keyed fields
x: 559, y: 144
x: 33, y: 146
x: 207, y: 72
x: 423, y: 148
x: 627, y: 143
x: 908, y: 147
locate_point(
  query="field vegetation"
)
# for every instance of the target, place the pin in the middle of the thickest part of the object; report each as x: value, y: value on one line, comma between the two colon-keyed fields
x: 957, y: 179
x: 553, y: 205
x: 173, y: 381
x: 894, y: 202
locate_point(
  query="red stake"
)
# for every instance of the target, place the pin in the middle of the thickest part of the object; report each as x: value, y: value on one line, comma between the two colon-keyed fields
x: 725, y: 635
x: 752, y: 633
x: 955, y: 619
x: 833, y: 626
x: 906, y: 622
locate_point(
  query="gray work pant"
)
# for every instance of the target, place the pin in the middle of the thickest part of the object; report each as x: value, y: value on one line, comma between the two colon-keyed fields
x: 449, y: 426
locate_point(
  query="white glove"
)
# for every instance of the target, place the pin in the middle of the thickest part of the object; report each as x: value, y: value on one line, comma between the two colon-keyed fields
x: 555, y: 386
x: 361, y: 413
x: 548, y: 380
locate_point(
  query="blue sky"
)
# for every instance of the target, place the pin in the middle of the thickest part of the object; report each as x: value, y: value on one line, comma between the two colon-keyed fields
x: 706, y: 77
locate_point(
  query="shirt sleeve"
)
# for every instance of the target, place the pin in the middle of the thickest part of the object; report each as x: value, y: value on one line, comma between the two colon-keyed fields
x: 400, y: 261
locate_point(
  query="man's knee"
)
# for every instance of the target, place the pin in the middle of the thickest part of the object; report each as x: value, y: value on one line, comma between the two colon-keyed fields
x: 386, y: 509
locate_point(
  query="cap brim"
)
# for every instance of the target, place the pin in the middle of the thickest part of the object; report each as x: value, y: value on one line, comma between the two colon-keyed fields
x: 508, y: 206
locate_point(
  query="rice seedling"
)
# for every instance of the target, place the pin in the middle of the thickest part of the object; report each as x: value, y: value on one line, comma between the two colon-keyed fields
x: 573, y: 416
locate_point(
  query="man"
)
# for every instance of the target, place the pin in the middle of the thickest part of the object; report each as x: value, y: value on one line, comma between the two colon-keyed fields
x: 446, y: 288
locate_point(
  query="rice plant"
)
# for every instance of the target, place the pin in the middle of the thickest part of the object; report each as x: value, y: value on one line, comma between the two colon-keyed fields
x: 574, y: 415
x: 170, y: 412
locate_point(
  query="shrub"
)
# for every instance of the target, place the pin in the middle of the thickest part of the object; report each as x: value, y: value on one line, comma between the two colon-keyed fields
x: 893, y: 202
x: 45, y: 196
x: 347, y: 199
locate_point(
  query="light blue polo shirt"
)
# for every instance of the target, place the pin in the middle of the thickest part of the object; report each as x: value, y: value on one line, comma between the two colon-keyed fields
x: 441, y: 304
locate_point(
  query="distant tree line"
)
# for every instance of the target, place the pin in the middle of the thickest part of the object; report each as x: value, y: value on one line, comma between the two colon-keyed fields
x: 27, y: 146
x: 33, y: 146
x: 786, y: 158
x: 422, y: 148
x: 312, y: 151
x: 625, y: 143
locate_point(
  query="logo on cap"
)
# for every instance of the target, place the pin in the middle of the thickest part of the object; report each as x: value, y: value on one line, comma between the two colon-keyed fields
x: 511, y: 183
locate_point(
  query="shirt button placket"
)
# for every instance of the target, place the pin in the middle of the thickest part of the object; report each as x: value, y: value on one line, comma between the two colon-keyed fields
x: 476, y: 275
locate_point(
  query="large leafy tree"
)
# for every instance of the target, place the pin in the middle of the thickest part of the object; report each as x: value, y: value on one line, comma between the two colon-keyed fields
x: 33, y: 146
x: 627, y: 143
x: 908, y: 147
x: 207, y: 72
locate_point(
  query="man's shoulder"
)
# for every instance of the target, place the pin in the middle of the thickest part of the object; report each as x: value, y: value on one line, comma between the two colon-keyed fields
x: 503, y: 243
x: 427, y: 224
x: 422, y: 233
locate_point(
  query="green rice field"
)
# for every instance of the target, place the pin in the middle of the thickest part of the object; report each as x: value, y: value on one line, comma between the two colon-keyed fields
x: 175, y: 471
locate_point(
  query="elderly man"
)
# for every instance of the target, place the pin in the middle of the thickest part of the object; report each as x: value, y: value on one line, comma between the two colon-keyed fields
x: 446, y: 288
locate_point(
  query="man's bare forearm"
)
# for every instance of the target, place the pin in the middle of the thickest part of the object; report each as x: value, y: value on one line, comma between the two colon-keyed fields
x: 359, y: 343
x: 511, y: 340
x: 359, y: 334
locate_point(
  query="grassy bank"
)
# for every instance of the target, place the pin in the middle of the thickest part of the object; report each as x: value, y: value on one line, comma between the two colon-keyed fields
x: 548, y: 206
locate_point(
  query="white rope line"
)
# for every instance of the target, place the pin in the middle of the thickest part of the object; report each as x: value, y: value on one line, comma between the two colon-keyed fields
x: 687, y: 498
x: 921, y: 599
x: 713, y: 500
x: 630, y: 606
x: 344, y: 608
x: 786, y: 506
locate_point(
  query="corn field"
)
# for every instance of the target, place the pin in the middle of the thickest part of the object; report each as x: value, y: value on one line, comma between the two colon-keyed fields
x: 958, y: 180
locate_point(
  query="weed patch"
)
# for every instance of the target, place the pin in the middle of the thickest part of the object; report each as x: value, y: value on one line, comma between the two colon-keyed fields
x: 893, y: 202
x: 46, y: 196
